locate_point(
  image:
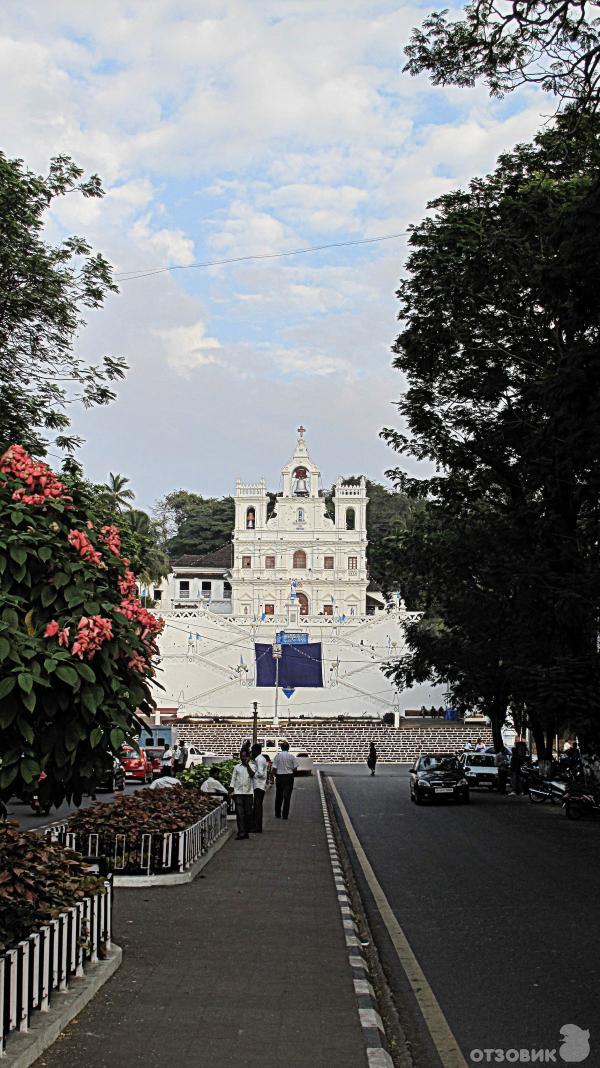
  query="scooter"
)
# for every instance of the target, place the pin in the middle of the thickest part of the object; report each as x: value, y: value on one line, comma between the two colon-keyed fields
x: 552, y: 790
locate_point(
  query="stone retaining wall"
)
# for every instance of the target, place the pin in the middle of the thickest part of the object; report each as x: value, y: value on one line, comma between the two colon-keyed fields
x: 341, y: 743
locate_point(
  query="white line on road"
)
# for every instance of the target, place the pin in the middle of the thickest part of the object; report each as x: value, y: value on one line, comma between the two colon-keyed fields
x: 442, y: 1036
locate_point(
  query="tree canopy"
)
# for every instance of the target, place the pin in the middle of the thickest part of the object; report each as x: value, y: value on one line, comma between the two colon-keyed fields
x: 44, y: 291
x: 500, y: 346
x: 190, y: 523
x: 550, y: 43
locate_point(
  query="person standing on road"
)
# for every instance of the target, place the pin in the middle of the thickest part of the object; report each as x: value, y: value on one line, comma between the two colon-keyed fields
x: 166, y: 761
x: 519, y: 756
x: 284, y: 767
x: 259, y: 783
x: 372, y: 758
x: 181, y: 757
x: 501, y: 761
x: 241, y: 788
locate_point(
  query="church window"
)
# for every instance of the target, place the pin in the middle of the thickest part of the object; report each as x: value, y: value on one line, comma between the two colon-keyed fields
x: 328, y: 563
x: 350, y: 519
x: 157, y: 594
x: 206, y: 588
x: 184, y: 588
x: 269, y: 609
x: 226, y: 589
x: 246, y: 561
x: 327, y: 609
x: 270, y: 562
x: 250, y: 519
x: 300, y: 560
x: 352, y: 563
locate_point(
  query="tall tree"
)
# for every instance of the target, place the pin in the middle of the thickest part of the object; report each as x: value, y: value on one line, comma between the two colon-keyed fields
x: 501, y: 350
x: 543, y: 42
x: 44, y: 291
x: 190, y: 523
x: 117, y: 493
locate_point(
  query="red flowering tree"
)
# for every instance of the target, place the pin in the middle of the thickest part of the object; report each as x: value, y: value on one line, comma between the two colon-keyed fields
x: 76, y: 645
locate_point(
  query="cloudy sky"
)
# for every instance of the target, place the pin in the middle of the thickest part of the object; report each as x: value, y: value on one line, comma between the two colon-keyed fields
x: 232, y: 129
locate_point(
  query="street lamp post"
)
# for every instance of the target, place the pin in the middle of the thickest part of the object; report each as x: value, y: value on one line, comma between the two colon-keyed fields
x: 277, y: 658
x: 254, y: 722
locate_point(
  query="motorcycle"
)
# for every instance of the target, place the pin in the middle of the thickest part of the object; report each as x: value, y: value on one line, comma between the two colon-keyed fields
x: 552, y: 790
x: 580, y: 802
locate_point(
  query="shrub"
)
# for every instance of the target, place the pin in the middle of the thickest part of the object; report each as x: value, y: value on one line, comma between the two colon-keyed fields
x: 76, y: 645
x: 144, y: 812
x: 198, y: 774
x: 38, y: 880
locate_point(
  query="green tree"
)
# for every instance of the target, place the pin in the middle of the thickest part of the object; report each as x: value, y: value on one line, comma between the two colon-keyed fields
x: 116, y: 492
x: 541, y: 42
x: 149, y: 561
x: 500, y: 347
x: 76, y: 645
x: 189, y: 523
x: 44, y: 292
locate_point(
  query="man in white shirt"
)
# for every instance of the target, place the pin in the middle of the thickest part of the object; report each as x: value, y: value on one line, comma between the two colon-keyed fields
x: 167, y: 761
x: 213, y: 784
x: 260, y: 785
x: 285, y: 767
x: 241, y: 788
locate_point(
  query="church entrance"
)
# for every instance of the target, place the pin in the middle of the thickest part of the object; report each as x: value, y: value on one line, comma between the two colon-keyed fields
x: 302, y: 600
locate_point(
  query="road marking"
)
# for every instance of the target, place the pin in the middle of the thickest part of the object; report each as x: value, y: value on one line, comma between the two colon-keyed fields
x: 442, y: 1036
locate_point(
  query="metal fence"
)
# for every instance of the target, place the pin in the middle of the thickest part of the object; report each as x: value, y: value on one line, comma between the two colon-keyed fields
x: 48, y: 960
x: 151, y: 853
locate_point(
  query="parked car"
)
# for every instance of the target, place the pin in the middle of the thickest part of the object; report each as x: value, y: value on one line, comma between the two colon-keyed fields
x: 271, y: 746
x: 154, y: 754
x: 480, y: 769
x: 137, y: 765
x: 113, y: 779
x: 435, y: 775
x: 195, y: 756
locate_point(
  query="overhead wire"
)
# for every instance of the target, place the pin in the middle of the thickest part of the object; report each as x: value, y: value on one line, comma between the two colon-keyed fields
x: 131, y: 276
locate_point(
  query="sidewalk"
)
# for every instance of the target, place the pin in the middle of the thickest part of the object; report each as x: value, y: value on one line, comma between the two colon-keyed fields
x: 246, y: 965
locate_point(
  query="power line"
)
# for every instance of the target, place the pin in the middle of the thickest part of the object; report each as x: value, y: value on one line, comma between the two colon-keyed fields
x: 131, y: 276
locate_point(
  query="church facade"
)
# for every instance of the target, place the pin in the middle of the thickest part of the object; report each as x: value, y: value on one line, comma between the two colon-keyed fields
x: 293, y: 558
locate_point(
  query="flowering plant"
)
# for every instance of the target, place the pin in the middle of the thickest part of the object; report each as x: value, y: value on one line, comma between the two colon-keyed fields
x: 76, y: 646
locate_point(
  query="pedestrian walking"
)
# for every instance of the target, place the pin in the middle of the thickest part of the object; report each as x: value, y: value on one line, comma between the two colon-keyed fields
x: 166, y: 761
x: 372, y: 758
x: 284, y: 768
x: 241, y: 788
x: 259, y: 783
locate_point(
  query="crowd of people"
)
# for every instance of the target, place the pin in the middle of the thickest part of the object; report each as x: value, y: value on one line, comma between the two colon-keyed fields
x: 250, y: 780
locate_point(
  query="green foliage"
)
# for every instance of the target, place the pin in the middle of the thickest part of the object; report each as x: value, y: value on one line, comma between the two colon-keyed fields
x: 500, y: 347
x: 554, y: 45
x: 199, y: 773
x: 190, y: 523
x: 43, y: 294
x: 38, y: 880
x: 76, y: 646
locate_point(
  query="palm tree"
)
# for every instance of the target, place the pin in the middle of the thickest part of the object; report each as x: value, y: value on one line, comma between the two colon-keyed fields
x: 153, y: 563
x: 137, y: 522
x: 115, y: 490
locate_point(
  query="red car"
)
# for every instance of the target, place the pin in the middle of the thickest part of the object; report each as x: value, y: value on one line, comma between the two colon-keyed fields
x: 136, y: 765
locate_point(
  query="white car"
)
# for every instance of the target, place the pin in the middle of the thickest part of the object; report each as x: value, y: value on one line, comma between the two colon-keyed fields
x: 195, y: 756
x: 272, y: 745
x: 480, y: 769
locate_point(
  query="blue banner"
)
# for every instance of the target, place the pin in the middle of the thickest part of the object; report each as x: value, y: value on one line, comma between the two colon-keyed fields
x: 298, y: 666
x: 290, y: 638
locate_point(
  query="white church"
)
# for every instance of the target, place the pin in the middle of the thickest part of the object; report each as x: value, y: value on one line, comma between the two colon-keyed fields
x: 295, y: 572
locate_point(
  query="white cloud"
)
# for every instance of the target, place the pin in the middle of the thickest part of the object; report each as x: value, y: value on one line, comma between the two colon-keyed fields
x: 187, y: 347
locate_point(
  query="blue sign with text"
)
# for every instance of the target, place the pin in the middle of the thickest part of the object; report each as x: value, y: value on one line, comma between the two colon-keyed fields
x: 289, y: 638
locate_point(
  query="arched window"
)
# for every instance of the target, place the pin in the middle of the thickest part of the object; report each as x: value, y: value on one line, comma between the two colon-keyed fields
x: 250, y: 519
x: 300, y: 560
x: 350, y: 519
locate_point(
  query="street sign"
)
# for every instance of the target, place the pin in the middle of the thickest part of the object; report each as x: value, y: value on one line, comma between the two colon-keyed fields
x: 289, y: 691
x: 277, y: 651
x: 290, y: 638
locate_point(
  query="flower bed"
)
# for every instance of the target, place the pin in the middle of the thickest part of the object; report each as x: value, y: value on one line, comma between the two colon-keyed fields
x: 54, y: 916
x: 149, y: 832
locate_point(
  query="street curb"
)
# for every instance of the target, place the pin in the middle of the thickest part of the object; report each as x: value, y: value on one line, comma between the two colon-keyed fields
x: 23, y: 1049
x: 178, y: 877
x: 366, y: 1002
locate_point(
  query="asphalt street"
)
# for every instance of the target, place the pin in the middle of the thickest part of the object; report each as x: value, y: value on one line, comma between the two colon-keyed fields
x: 499, y: 902
x: 28, y: 820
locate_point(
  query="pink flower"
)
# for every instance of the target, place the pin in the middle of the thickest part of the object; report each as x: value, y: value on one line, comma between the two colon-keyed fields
x: 92, y: 632
x: 111, y: 538
x: 63, y: 637
x: 81, y: 542
x: 35, y: 476
x: 52, y: 629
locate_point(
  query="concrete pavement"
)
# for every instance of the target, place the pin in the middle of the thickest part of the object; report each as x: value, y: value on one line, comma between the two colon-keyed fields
x: 245, y: 965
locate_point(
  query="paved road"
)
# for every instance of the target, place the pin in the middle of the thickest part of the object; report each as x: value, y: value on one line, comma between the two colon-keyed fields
x: 29, y: 821
x: 499, y: 901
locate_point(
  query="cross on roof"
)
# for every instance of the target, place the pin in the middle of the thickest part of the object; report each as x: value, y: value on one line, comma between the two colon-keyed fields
x: 301, y: 430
